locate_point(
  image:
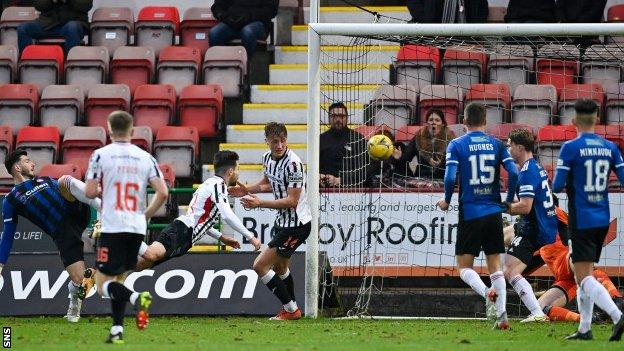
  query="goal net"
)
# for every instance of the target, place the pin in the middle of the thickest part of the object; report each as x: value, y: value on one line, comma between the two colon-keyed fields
x: 387, y: 249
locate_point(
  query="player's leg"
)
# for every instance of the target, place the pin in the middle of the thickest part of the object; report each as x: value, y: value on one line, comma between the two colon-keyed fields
x: 554, y: 300
x: 72, y: 189
x: 509, y: 234
x: 490, y: 237
x: 604, y: 279
x: 282, y: 270
x: 70, y: 246
x: 263, y: 265
x: 155, y: 251
x: 173, y: 241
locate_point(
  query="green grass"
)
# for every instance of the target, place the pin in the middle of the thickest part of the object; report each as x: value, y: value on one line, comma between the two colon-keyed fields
x: 240, y: 333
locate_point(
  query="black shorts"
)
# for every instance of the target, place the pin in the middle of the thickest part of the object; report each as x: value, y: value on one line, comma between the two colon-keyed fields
x: 524, y: 246
x: 68, y: 240
x: 117, y: 252
x: 287, y: 240
x: 177, y: 239
x: 586, y: 244
x: 480, y: 234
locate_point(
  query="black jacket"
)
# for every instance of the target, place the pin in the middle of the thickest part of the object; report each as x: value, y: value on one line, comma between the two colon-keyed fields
x: 239, y: 13
x: 430, y: 11
x: 53, y: 15
x: 580, y: 11
x: 344, y: 154
x: 521, y: 11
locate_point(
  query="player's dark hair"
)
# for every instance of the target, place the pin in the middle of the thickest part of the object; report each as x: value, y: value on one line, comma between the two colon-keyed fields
x: 585, y: 106
x: 120, y: 122
x: 475, y: 115
x: 274, y: 129
x: 224, y: 160
x: 435, y: 111
x: 523, y: 137
x: 13, y: 158
x: 338, y: 104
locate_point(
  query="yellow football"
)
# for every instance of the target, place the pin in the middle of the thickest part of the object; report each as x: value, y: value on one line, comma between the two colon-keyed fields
x: 380, y: 147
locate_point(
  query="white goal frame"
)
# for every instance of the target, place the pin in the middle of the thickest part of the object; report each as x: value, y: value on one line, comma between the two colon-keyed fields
x: 316, y: 30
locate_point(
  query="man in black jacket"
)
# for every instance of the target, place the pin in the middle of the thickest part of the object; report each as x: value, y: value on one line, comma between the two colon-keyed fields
x: 580, y: 11
x: 58, y: 19
x: 531, y: 11
x: 247, y: 20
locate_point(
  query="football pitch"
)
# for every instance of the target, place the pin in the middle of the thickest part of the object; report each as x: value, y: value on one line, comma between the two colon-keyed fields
x: 254, y: 333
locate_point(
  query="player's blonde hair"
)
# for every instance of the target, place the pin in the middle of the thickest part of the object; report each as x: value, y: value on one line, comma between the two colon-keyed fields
x: 120, y: 123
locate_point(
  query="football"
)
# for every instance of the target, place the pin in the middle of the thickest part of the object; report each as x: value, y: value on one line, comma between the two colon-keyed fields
x: 380, y: 147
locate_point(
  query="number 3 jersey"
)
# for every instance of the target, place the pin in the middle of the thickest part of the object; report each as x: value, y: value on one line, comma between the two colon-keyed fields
x: 124, y: 171
x: 584, y: 164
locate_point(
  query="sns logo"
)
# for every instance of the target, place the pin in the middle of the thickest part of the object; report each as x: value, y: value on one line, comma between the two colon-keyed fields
x: 6, y: 337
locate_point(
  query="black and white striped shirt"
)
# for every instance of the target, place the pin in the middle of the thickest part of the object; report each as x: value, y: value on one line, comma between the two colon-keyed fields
x: 203, y: 210
x: 283, y: 174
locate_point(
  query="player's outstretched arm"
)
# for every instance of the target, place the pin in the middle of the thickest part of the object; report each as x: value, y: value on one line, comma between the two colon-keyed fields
x: 227, y: 240
x: 233, y: 221
x: 241, y: 190
x: 6, y: 238
x: 160, y: 196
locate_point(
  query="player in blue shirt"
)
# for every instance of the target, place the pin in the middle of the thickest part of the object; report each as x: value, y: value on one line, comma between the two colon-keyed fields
x: 52, y: 206
x: 538, y: 221
x: 478, y: 157
x: 584, y: 165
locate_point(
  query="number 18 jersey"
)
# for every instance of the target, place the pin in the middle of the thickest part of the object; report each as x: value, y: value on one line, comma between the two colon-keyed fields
x: 124, y: 171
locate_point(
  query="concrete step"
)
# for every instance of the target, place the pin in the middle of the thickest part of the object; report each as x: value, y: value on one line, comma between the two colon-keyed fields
x: 299, y: 36
x: 351, y: 14
x: 254, y: 133
x: 291, y: 113
x: 347, y: 73
x: 252, y: 153
x: 298, y: 93
x: 334, y: 54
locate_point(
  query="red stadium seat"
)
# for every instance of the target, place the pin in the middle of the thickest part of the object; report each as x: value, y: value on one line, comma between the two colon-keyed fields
x: 179, y: 147
x: 463, y: 67
x: 573, y: 92
x: 132, y: 66
x: 501, y: 131
x: 195, y: 27
x: 6, y: 142
x: 458, y: 129
x: 41, y: 65
x: 226, y: 66
x: 87, y: 66
x: 496, y: 99
x: 168, y: 173
x: 157, y: 27
x: 18, y: 105
x: 394, y: 105
x: 417, y: 65
x: 6, y: 180
x: 201, y: 106
x: 614, y: 133
x: 111, y: 27
x: 549, y: 140
x: 602, y: 64
x: 58, y: 170
x: 407, y: 133
x: 41, y: 143
x: 154, y: 106
x: 143, y: 137
x: 615, y: 13
x: 80, y: 142
x: 558, y: 65
x: 11, y: 18
x: 179, y: 66
x: 511, y: 65
x: 534, y: 105
x: 104, y: 99
x: 449, y: 99
x: 367, y: 131
x: 8, y: 63
x: 614, y: 109
x: 171, y: 205
x: 61, y: 106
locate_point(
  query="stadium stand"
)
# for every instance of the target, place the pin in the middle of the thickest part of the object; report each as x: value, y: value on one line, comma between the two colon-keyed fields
x: 11, y: 18
x: 417, y: 65
x: 463, y: 67
x: 157, y: 27
x: 201, y: 106
x: 80, y: 142
x: 195, y: 26
x: 557, y: 65
x: 573, y: 92
x: 8, y: 63
x: 61, y: 106
x: 226, y: 66
x: 154, y: 106
x: 6, y: 142
x: 41, y: 143
x: 614, y: 108
x: 111, y: 27
x: 447, y: 98
x: 496, y: 99
x: 179, y: 147
x: 501, y: 131
x: 534, y: 105
x: 104, y: 99
x: 58, y: 170
x: 87, y: 66
x: 513, y: 66
x: 133, y: 66
x: 6, y: 180
x: 549, y: 140
x: 143, y: 137
x: 41, y: 65
x: 179, y: 66
x: 602, y: 64
x: 394, y: 106
x: 406, y: 133
x: 18, y: 105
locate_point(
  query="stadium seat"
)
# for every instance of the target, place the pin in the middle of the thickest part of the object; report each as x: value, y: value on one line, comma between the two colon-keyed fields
x: 41, y: 65
x: 18, y: 105
x: 534, y: 105
x: 104, y: 99
x: 614, y: 133
x: 367, y: 131
x: 417, y: 65
x: 6, y: 142
x: 549, y: 141
x: 226, y: 66
x: 557, y: 65
x: 154, y: 106
x: 195, y: 26
x: 614, y: 107
x: 87, y: 66
x: 501, y: 131
x: 406, y: 133
x: 41, y: 143
x: 11, y: 18
x: 80, y: 142
x: 458, y: 129
x: 201, y: 106
x: 168, y: 174
x: 157, y: 27
x: 602, y: 64
x: 496, y: 99
x: 8, y: 63
x: 6, y: 180
x: 111, y: 27
x: 573, y: 92
x: 615, y: 14
x: 61, y: 106
x: 179, y: 147
x: 132, y: 66
x: 463, y: 67
x: 447, y: 98
x: 171, y: 205
x: 58, y: 170
x: 512, y: 64
x: 394, y: 106
x: 143, y: 137
x: 179, y: 66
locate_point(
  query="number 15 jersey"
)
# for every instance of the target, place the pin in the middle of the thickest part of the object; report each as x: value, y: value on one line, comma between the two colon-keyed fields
x: 124, y: 171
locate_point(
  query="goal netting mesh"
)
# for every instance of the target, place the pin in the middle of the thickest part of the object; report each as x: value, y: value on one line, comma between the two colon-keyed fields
x: 389, y: 249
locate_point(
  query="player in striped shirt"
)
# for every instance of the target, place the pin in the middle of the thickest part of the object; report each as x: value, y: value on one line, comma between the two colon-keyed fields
x: 209, y: 202
x: 285, y: 178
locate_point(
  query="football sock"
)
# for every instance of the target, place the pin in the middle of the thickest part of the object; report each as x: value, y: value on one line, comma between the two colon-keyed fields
x: 600, y: 296
x: 277, y: 287
x: 525, y: 291
x: 116, y: 329
x: 73, y: 288
x: 119, y: 309
x: 78, y: 189
x: 118, y: 291
x: 290, y: 284
x: 563, y: 314
x: 470, y: 277
x: 586, y: 309
x: 499, y: 284
x: 604, y: 279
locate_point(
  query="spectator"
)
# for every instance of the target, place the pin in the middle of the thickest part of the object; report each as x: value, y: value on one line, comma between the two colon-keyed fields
x: 431, y: 11
x: 248, y: 20
x: 580, y: 11
x: 65, y: 19
x: 531, y: 11
x: 429, y: 144
x: 426, y: 11
x: 343, y: 155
